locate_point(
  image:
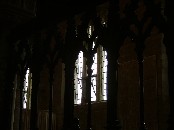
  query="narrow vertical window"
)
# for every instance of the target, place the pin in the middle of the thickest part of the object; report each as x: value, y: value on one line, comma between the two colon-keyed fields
x: 78, y: 75
x: 104, y: 64
x: 94, y: 77
x: 89, y: 31
x: 27, y: 90
x: 99, y: 73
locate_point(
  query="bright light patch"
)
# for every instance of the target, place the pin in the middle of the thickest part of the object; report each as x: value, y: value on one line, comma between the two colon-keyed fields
x: 78, y: 73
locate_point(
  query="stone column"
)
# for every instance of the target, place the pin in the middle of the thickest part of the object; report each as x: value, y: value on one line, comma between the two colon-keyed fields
x: 139, y: 51
x: 53, y: 56
x: 51, y: 96
x: 112, y: 92
x: 88, y: 85
x: 68, y: 96
x: 22, y: 79
x: 69, y: 57
x: 112, y: 43
x: 8, y: 68
x: 36, y: 67
x: 168, y: 41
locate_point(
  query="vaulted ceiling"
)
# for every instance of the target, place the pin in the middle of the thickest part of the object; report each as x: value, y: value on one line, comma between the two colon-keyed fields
x: 58, y: 9
x: 50, y: 12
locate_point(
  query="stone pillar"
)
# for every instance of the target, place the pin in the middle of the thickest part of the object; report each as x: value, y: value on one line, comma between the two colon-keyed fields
x: 112, y: 91
x: 8, y: 69
x: 36, y: 67
x: 69, y: 57
x: 22, y: 79
x: 53, y: 56
x: 68, y: 96
x: 89, y: 57
x: 139, y: 51
x: 112, y: 42
x: 35, y: 70
x: 168, y: 41
x: 51, y: 96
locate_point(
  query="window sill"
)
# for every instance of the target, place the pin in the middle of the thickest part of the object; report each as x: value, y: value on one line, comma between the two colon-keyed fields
x: 93, y: 104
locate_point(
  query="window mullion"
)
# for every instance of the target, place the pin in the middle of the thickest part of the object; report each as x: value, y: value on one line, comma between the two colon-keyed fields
x: 29, y: 90
x: 98, y: 89
x: 84, y: 77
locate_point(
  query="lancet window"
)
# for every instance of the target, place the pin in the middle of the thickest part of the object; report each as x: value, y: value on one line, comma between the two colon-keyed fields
x: 27, y: 90
x: 98, y: 77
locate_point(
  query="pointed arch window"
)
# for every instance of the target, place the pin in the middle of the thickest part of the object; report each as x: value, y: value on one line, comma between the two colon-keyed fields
x: 78, y: 78
x: 27, y: 90
x: 98, y: 77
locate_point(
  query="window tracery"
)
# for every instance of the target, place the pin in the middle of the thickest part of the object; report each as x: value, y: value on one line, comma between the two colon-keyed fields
x: 98, y: 77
